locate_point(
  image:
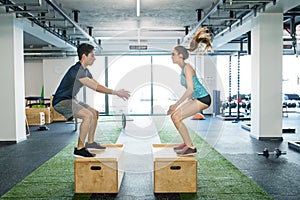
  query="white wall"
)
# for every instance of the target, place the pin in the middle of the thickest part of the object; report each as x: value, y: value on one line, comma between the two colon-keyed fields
x: 33, y: 77
x: 47, y: 72
x: 53, y: 72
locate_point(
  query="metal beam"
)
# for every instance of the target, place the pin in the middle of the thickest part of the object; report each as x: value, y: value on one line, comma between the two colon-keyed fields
x: 62, y: 27
x: 237, y: 29
x: 250, y: 1
x: 39, y: 32
x: 40, y: 18
x: 20, y: 4
x: 223, y: 18
x: 235, y: 9
x: 28, y: 11
x: 216, y: 25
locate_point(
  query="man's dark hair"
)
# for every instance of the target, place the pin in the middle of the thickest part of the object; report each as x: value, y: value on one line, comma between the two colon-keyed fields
x: 84, y: 49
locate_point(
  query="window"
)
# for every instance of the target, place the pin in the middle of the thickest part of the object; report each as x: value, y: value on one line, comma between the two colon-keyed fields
x: 152, y: 80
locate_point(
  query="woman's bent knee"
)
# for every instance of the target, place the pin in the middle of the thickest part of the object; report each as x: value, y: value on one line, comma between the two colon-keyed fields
x: 176, y: 118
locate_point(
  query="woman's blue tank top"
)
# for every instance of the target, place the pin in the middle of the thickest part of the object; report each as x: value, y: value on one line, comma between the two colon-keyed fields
x: 199, y: 89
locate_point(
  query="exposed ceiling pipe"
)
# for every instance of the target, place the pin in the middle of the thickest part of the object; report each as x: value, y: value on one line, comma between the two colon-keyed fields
x: 85, y: 34
x: 76, y: 15
x: 199, y: 14
x: 186, y: 30
x: 90, y: 28
x: 213, y: 8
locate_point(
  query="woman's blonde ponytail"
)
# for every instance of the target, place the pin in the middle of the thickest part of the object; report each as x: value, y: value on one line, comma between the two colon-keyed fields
x: 203, y: 37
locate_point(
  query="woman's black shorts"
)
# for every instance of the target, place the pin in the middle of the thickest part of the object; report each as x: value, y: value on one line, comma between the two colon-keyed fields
x: 206, y: 100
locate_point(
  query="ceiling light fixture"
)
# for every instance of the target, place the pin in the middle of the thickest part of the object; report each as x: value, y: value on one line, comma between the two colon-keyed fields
x: 138, y: 7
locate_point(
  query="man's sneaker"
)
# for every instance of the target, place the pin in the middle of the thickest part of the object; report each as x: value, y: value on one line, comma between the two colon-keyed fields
x: 187, y: 151
x: 179, y: 147
x: 82, y: 153
x: 94, y: 145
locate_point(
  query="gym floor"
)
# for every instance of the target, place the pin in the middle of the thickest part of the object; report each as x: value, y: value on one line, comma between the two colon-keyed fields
x: 277, y: 176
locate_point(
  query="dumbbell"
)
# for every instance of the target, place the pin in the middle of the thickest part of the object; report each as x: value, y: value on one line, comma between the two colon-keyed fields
x: 277, y: 152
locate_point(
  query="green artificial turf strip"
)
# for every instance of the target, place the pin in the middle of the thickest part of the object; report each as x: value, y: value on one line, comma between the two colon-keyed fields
x: 55, y: 178
x: 217, y: 177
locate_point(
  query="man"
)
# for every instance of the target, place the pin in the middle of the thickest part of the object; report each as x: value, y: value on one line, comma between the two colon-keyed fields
x: 65, y: 102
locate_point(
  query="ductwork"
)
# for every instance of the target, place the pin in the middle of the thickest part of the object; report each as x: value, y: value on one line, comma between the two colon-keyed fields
x: 65, y: 16
x: 38, y: 16
x: 225, y: 14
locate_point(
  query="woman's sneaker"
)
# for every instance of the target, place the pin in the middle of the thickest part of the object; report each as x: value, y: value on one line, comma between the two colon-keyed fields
x: 187, y: 151
x: 94, y: 145
x: 82, y: 153
x: 179, y: 147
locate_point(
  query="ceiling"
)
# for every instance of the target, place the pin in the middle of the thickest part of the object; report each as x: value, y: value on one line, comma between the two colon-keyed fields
x: 116, y: 27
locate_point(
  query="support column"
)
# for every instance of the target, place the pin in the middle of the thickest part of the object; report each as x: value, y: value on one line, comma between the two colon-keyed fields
x: 12, y: 117
x: 266, y: 95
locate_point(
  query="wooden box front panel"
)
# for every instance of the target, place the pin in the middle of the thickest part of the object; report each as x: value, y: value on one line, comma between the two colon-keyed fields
x: 96, y: 177
x: 175, y: 177
x: 102, y: 173
x: 173, y: 174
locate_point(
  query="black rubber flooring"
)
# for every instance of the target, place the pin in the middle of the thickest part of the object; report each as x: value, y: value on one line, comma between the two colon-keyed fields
x: 19, y: 160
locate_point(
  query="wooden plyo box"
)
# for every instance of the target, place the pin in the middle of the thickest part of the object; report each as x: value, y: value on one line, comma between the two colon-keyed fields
x: 173, y: 174
x: 35, y: 118
x: 100, y: 174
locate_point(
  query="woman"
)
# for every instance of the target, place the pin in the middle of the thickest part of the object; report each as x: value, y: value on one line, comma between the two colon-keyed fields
x: 196, y: 95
